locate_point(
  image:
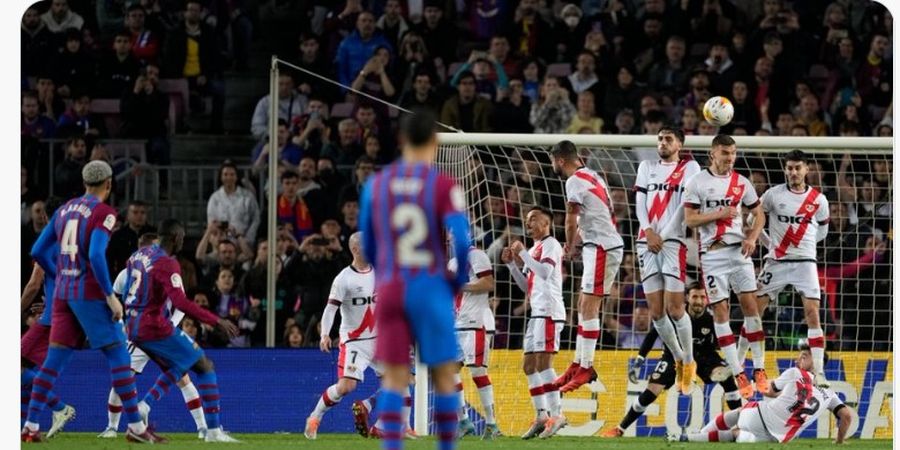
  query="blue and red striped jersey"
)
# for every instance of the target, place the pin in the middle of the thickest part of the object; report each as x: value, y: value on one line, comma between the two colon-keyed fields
x: 74, y: 223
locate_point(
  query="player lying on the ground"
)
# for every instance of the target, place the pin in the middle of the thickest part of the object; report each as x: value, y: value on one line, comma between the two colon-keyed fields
x: 139, y: 360
x: 710, y: 366
x: 590, y: 223
x: 473, y: 316
x: 543, y: 296
x: 795, y: 403
x: 154, y: 279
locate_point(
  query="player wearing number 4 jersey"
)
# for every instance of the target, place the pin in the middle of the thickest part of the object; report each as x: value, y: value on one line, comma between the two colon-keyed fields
x: 84, y: 305
x: 798, y: 219
x: 404, y: 210
x: 795, y: 403
x: 590, y: 222
x: 661, y: 250
x: 712, y: 204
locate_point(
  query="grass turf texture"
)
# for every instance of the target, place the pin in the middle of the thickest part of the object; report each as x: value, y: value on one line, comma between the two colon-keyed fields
x: 75, y: 441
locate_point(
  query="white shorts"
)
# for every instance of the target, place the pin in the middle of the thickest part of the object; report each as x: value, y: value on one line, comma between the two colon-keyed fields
x: 665, y: 270
x: 474, y: 347
x: 752, y: 428
x: 542, y: 335
x: 726, y: 270
x: 355, y: 357
x: 775, y: 276
x: 600, y: 268
x: 139, y: 359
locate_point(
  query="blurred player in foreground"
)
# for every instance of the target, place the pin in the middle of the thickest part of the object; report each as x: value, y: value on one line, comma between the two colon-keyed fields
x: 403, y: 213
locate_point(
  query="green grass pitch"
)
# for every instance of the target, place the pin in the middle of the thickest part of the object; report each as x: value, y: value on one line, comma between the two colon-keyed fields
x: 76, y: 441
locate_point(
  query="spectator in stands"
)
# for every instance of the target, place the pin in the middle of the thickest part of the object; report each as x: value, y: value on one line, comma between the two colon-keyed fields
x: 884, y: 130
x: 374, y: 78
x: 624, y: 93
x: 585, y: 117
x: 372, y: 149
x: 289, y: 154
x: 499, y: 51
x: 553, y: 111
x: 50, y: 104
x: 67, y: 182
x: 532, y: 72
x: 74, y: 69
x: 490, y: 77
x: 293, y: 337
x: 569, y: 32
x: 413, y: 59
x: 349, y: 220
x: 37, y: 220
x: 810, y: 116
x: 363, y: 169
x: 625, y: 123
x: 356, y: 49
x: 370, y: 125
x: 434, y: 31
x: 585, y: 76
x: 79, y: 120
x: 698, y: 93
x: 746, y: 115
x: 312, y: 58
x: 799, y: 130
x: 465, y: 110
x: 291, y: 106
x: 721, y: 69
x: 530, y: 34
x: 191, y: 51
x: 873, y: 78
x: 310, y: 131
x: 145, y: 114
x: 511, y: 113
x: 422, y: 94
x: 29, y: 194
x: 669, y: 76
x: 392, y: 23
x: 206, y: 336
x: 233, y: 204
x: 633, y: 336
x: 35, y: 124
x: 318, y: 261
x: 690, y: 121
x: 298, y: 211
x: 145, y: 43
x: 124, y: 241
x: 212, y: 254
x: 118, y: 69
x: 254, y: 286
x: 330, y: 180
x: 60, y: 18
x: 36, y: 43
x: 345, y: 152
x: 236, y: 308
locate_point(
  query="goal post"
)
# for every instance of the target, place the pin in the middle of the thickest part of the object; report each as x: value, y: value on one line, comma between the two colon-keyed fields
x: 504, y: 174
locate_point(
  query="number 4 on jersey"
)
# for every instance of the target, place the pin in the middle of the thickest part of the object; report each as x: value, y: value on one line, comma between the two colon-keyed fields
x: 69, y: 244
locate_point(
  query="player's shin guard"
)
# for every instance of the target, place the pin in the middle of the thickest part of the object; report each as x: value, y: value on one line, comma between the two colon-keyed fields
x: 160, y: 388
x: 42, y: 384
x: 685, y: 333
x: 667, y: 332
x: 536, y: 389
x: 637, y: 409
x: 123, y: 383
x: 816, y: 340
x: 329, y: 398
x: 445, y: 419
x: 485, y: 392
x: 551, y: 392
x: 389, y: 405
x: 757, y: 338
x: 113, y: 410
x: 208, y: 385
x: 193, y: 403
x: 726, y: 343
x: 590, y: 333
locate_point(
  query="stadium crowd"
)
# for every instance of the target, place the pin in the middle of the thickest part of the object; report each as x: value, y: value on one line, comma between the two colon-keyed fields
x: 595, y: 66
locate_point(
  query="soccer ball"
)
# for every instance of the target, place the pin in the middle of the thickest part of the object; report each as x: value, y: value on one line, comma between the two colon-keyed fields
x: 718, y: 111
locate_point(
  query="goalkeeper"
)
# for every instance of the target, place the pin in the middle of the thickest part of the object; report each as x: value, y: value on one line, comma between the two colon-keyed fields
x: 711, y: 368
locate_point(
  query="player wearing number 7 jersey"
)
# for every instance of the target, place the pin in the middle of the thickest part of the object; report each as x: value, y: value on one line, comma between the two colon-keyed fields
x: 84, y: 303
x: 403, y: 212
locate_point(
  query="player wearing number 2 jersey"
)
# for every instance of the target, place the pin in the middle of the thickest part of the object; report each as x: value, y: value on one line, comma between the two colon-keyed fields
x: 84, y: 303
x: 404, y: 210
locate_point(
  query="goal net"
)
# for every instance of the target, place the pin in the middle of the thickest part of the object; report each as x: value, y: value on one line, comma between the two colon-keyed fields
x: 503, y: 175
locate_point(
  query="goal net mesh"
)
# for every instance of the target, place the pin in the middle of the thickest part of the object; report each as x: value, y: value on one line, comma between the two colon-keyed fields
x: 855, y: 272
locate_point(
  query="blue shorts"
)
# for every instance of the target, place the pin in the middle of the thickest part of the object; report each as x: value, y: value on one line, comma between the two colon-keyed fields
x: 420, y: 311
x: 177, y: 351
x: 73, y: 320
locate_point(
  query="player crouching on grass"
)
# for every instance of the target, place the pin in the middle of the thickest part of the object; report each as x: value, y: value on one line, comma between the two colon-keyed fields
x: 710, y: 366
x: 795, y: 403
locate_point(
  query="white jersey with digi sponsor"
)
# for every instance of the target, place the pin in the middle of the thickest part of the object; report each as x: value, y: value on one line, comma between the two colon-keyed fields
x: 175, y: 315
x: 596, y: 221
x: 545, y: 295
x: 707, y: 192
x: 354, y: 292
x: 793, y: 219
x: 798, y: 404
x: 470, y: 306
x: 664, y: 185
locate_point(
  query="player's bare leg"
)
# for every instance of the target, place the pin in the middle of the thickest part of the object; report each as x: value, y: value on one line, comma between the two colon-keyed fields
x: 590, y: 306
x: 663, y: 325
x: 675, y: 307
x: 726, y: 340
x: 331, y: 397
x: 756, y: 338
x: 538, y: 398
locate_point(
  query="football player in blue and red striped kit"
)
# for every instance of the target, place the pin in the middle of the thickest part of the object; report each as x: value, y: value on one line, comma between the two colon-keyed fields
x: 81, y: 228
x: 404, y: 211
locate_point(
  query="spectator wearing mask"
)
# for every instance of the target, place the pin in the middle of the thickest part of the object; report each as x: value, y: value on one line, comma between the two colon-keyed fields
x: 553, y: 111
x: 124, y: 241
x: 60, y: 18
x: 118, y: 69
x: 356, y: 49
x: 465, y: 110
x: 67, y: 181
x: 233, y: 204
x: 291, y: 106
x: 35, y: 124
x: 79, y: 121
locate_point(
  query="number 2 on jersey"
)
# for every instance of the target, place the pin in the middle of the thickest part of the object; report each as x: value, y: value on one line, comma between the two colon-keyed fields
x: 412, y: 219
x: 69, y: 244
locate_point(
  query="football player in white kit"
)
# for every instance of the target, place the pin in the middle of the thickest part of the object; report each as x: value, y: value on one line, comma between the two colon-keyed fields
x: 590, y: 222
x: 543, y: 296
x: 139, y: 360
x: 353, y: 292
x: 712, y: 204
x: 473, y: 315
x: 797, y: 220
x: 795, y: 403
x: 661, y: 249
